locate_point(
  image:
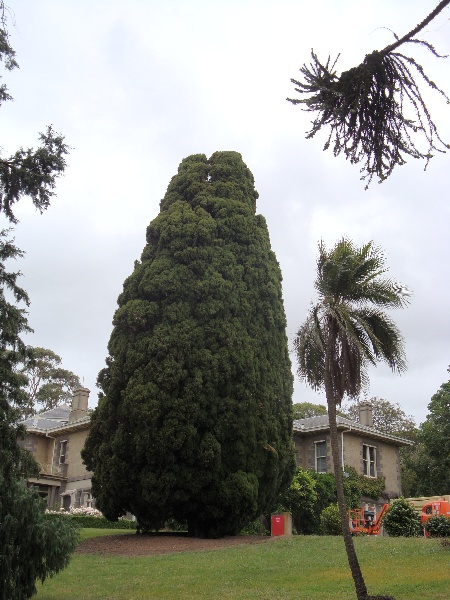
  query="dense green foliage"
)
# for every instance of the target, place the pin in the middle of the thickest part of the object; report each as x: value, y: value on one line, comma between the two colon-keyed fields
x: 356, y: 486
x: 434, y: 436
x: 325, y: 488
x: 438, y: 526
x: 310, y: 493
x: 300, y: 500
x: 330, y: 521
x: 426, y: 465
x: 196, y: 418
x: 91, y: 522
x: 401, y: 519
x: 31, y: 546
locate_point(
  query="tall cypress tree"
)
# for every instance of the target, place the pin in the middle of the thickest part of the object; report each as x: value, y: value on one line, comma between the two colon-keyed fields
x: 195, y: 418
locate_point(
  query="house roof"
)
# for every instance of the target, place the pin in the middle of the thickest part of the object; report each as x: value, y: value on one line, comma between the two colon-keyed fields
x: 55, y: 421
x: 321, y: 423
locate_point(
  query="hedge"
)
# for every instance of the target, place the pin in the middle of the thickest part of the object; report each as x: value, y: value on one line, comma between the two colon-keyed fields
x: 86, y: 521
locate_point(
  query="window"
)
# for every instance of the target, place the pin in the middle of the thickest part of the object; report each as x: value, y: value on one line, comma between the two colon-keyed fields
x: 62, y: 452
x: 87, y: 500
x: 370, y: 461
x: 321, y: 456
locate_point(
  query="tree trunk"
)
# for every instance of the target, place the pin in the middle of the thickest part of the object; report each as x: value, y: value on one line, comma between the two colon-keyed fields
x: 360, y: 586
x: 358, y: 579
x: 332, y: 401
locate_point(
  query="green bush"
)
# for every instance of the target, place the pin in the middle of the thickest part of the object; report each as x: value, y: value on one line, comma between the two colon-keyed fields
x: 401, y: 519
x: 101, y: 522
x: 174, y: 525
x: 438, y: 526
x: 357, y: 485
x: 299, y: 499
x: 255, y: 528
x: 32, y: 547
x: 87, y: 521
x: 330, y: 520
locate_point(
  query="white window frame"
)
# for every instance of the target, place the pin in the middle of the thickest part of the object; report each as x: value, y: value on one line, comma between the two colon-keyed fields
x: 370, y: 461
x: 321, y: 457
x: 62, y: 452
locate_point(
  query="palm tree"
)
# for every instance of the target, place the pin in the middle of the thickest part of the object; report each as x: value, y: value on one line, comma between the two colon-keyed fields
x: 345, y: 332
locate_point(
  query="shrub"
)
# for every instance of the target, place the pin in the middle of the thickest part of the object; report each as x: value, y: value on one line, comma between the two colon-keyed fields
x: 330, y: 520
x: 89, y: 518
x: 32, y: 546
x: 401, y: 519
x: 299, y: 499
x: 86, y: 521
x: 255, y: 528
x: 174, y: 525
x: 438, y: 526
x: 85, y: 510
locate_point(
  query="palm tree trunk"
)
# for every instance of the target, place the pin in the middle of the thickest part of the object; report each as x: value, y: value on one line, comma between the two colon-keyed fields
x: 332, y: 401
x: 358, y: 579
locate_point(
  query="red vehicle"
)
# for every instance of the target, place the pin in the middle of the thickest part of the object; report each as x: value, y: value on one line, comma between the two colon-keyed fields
x: 438, y: 507
x: 365, y: 520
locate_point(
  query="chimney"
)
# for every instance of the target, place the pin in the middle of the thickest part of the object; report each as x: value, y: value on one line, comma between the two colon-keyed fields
x: 365, y: 414
x: 79, y: 404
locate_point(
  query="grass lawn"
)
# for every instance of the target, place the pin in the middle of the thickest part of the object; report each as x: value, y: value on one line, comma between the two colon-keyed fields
x: 301, y: 567
x: 86, y: 533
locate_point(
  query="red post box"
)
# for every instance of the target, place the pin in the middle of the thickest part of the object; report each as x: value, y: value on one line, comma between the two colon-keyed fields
x: 278, y: 524
x: 281, y: 524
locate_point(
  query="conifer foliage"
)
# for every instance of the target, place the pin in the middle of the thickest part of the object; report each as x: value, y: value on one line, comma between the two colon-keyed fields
x: 195, y: 422
x: 31, y: 547
x: 375, y: 111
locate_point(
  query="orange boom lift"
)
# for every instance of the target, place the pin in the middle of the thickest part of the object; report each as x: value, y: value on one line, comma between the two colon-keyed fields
x: 365, y: 520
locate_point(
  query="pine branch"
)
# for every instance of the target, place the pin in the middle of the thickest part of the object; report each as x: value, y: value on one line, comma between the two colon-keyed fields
x: 365, y: 107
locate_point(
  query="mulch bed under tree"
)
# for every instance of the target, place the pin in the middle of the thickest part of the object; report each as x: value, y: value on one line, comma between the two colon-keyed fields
x: 162, y: 543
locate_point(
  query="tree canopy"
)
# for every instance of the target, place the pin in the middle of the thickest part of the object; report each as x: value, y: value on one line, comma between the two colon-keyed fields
x: 48, y: 383
x: 434, y: 437
x: 388, y: 417
x: 28, y: 172
x: 195, y: 420
x: 305, y: 410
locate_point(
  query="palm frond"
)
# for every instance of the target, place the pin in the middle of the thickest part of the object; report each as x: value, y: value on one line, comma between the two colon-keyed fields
x: 309, y: 350
x: 347, y: 329
x: 384, y: 336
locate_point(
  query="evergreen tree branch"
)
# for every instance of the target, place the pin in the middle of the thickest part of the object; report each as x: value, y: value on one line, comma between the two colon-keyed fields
x: 366, y: 108
x: 418, y: 28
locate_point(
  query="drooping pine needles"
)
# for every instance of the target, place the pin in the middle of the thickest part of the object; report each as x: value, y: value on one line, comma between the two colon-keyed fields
x: 365, y: 107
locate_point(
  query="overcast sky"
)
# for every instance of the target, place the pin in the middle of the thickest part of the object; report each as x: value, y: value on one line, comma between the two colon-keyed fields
x: 137, y: 86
